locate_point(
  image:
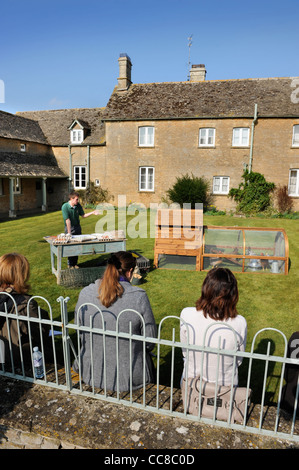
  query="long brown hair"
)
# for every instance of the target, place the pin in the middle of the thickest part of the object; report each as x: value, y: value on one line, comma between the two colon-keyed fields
x: 118, y: 265
x: 219, y: 295
x: 14, y: 272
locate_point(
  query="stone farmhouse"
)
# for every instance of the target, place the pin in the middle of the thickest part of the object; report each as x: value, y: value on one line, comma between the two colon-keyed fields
x: 148, y: 135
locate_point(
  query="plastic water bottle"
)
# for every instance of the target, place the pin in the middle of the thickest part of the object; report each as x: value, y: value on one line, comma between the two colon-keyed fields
x: 38, y: 363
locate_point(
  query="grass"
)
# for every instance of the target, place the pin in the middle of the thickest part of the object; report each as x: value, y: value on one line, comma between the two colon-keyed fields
x: 266, y: 300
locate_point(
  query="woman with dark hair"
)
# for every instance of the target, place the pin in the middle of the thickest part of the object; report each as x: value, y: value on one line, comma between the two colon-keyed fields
x: 14, y: 298
x: 115, y: 363
x: 209, y: 322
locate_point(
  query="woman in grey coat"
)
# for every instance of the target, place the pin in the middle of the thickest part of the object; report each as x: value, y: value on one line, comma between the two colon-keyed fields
x: 115, y: 301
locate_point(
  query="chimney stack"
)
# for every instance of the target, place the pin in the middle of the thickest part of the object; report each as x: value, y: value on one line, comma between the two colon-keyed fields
x: 125, y: 65
x: 198, y: 73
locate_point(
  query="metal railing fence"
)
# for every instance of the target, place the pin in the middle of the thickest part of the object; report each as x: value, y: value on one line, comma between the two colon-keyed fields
x: 262, y: 416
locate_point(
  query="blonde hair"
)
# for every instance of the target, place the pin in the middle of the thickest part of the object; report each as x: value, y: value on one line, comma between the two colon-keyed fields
x: 118, y: 265
x: 14, y: 272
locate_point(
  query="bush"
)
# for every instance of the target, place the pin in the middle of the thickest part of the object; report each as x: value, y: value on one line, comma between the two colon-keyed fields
x: 190, y: 189
x: 93, y: 195
x: 284, y: 201
x: 253, y: 195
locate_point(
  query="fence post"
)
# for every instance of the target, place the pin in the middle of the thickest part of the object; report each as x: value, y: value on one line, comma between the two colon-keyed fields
x: 66, y: 341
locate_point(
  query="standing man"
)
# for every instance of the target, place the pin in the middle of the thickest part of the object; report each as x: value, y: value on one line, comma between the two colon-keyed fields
x: 71, y: 212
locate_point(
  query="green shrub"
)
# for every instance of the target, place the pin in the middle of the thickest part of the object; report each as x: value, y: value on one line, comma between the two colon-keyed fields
x: 253, y: 195
x: 190, y: 189
x: 93, y: 195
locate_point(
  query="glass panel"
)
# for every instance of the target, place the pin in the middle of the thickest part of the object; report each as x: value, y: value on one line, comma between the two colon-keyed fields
x: 83, y: 177
x: 225, y: 185
x: 236, y: 136
x: 245, y: 133
x: 141, y: 135
x: 293, y: 182
x: 211, y: 137
x: 177, y: 262
x: 296, y: 135
x: 221, y: 241
x: 216, y: 184
x: 142, y: 178
x: 202, y: 136
x: 150, y: 135
x: 264, y: 243
x: 150, y: 178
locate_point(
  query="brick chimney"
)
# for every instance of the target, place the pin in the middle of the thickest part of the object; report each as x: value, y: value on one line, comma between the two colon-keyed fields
x: 125, y: 65
x: 198, y: 73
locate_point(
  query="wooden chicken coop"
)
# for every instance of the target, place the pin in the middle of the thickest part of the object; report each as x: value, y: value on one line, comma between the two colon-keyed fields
x: 178, y: 242
x: 200, y: 248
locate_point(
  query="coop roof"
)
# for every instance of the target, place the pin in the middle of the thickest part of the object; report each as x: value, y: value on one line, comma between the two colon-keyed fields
x: 275, y: 97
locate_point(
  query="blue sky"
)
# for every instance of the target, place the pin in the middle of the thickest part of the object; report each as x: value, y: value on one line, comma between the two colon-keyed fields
x: 63, y: 54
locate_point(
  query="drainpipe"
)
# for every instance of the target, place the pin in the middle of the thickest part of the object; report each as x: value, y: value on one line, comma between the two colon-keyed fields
x: 70, y: 169
x: 44, y: 188
x: 251, y: 142
x: 12, y: 212
x: 88, y: 166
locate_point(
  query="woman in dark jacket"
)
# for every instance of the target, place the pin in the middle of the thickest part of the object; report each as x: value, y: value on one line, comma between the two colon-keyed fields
x: 14, y: 298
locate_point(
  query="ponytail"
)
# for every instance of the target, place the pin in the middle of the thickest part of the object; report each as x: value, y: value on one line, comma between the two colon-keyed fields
x: 118, y: 265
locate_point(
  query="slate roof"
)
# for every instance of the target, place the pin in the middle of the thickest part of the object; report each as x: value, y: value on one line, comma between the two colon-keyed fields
x: 207, y: 99
x: 26, y: 165
x: 15, y: 127
x: 55, y: 124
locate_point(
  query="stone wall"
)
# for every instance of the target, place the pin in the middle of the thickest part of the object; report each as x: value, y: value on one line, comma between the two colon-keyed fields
x: 40, y: 417
x: 176, y: 152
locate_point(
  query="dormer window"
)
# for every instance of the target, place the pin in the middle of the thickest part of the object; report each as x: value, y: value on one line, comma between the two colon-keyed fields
x: 79, y: 130
x: 23, y: 147
x: 77, y: 136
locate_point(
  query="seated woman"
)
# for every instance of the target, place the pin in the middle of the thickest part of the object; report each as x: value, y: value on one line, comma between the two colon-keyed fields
x: 217, y: 305
x: 112, y: 295
x: 14, y: 277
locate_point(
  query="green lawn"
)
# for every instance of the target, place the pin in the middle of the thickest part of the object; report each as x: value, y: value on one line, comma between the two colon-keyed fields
x: 266, y: 300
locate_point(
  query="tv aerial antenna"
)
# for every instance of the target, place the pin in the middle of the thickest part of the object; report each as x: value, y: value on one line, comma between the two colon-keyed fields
x: 189, y: 61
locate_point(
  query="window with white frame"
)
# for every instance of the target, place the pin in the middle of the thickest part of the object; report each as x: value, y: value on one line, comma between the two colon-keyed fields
x: 295, y: 140
x: 146, y: 136
x: 241, y: 137
x: 294, y: 183
x: 79, y: 177
x: 146, y: 178
x: 206, y: 137
x: 220, y: 184
x: 77, y: 136
x: 23, y: 147
x: 16, y: 185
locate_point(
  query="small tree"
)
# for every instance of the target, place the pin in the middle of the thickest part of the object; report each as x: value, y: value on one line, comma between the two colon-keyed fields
x: 94, y: 195
x: 252, y: 195
x: 190, y: 189
x: 284, y: 201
